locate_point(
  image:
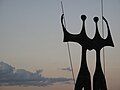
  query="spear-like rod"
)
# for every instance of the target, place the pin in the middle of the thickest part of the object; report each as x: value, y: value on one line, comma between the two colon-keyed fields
x: 68, y: 46
x: 103, y: 34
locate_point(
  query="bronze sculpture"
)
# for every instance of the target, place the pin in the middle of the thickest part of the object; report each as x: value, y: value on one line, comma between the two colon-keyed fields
x: 97, y: 43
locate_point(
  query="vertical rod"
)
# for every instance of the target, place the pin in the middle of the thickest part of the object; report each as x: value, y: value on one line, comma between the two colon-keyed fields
x: 103, y: 35
x: 71, y: 62
x: 68, y: 47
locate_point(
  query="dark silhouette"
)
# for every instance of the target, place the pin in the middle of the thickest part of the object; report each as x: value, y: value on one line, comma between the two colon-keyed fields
x: 83, y: 79
x: 99, y: 82
x: 97, y: 43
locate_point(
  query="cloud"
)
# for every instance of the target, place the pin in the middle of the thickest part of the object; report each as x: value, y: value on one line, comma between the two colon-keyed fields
x: 11, y: 76
x: 66, y: 69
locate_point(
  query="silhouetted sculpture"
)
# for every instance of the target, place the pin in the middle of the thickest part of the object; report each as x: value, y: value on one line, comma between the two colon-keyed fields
x: 97, y: 43
x: 99, y: 82
x: 83, y: 79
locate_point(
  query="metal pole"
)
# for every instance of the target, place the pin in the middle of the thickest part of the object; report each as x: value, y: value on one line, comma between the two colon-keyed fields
x: 103, y: 35
x: 68, y: 47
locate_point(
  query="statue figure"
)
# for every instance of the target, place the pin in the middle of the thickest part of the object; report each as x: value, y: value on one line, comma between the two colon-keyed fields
x: 97, y: 43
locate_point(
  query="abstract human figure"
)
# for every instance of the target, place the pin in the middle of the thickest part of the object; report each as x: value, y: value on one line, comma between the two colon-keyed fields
x: 97, y: 43
x: 99, y: 82
x: 83, y: 79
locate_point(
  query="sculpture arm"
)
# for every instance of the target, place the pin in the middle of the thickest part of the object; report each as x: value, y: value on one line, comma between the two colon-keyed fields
x: 108, y: 40
x: 67, y: 36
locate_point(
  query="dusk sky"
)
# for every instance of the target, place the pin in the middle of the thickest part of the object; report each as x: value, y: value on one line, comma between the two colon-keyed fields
x: 31, y: 38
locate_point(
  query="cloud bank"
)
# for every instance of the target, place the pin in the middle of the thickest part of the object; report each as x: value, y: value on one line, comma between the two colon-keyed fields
x: 10, y: 76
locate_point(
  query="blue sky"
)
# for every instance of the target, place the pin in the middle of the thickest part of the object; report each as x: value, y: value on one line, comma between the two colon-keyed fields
x: 31, y: 35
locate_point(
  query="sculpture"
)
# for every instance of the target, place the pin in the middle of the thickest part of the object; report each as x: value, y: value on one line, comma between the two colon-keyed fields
x: 97, y: 43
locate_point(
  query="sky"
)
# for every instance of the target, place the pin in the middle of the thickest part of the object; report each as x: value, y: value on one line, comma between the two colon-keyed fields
x: 31, y: 37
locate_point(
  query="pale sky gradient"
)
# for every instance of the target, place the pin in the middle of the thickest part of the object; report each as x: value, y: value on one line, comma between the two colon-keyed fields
x: 31, y: 35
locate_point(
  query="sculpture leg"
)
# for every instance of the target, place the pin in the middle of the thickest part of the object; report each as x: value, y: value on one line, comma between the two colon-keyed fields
x: 99, y: 82
x: 83, y: 79
x: 83, y: 82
